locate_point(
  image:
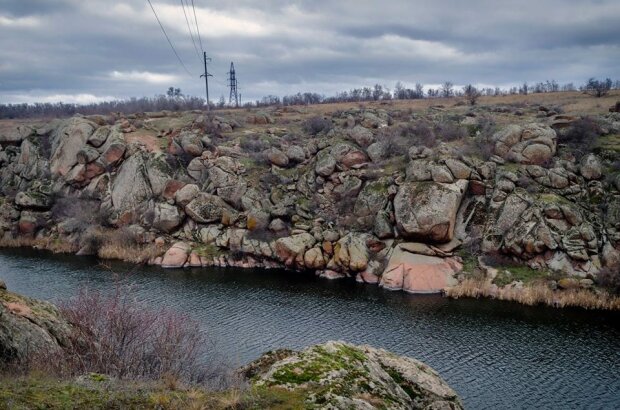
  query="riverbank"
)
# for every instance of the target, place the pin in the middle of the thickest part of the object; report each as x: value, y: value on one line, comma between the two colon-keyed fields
x: 538, y: 292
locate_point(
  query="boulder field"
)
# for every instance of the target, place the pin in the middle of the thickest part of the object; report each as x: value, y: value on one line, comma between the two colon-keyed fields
x: 392, y: 197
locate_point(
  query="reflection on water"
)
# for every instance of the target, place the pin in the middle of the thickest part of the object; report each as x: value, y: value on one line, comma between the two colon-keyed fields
x: 495, y: 354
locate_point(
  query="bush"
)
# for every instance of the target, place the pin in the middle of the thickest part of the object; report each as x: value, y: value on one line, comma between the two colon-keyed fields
x: 393, y: 142
x: 316, y: 125
x: 253, y: 144
x: 449, y: 131
x: 609, y: 279
x: 420, y: 133
x: 117, y: 336
x: 480, y: 146
x: 582, y: 135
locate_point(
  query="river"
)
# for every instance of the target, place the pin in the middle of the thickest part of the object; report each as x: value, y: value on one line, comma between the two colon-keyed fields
x: 496, y: 355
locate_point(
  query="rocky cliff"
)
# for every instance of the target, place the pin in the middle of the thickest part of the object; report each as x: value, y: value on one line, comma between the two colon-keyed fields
x: 392, y: 196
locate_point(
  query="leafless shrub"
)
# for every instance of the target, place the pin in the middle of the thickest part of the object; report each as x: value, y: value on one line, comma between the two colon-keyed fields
x: 254, y: 144
x: 582, y: 135
x: 420, y: 133
x: 471, y: 93
x: 117, y: 336
x: 450, y: 131
x: 394, y: 143
x: 609, y: 279
x: 316, y: 125
x: 480, y: 146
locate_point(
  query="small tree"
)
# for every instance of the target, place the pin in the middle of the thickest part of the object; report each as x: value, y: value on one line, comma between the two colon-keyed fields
x: 174, y: 92
x: 598, y: 88
x: 471, y: 93
x: 447, y: 89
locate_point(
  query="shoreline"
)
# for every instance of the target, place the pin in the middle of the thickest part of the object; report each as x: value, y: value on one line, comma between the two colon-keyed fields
x: 532, y: 294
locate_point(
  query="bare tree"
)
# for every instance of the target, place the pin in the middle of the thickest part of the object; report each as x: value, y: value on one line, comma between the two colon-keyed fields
x: 471, y: 93
x: 447, y: 89
x: 598, y: 88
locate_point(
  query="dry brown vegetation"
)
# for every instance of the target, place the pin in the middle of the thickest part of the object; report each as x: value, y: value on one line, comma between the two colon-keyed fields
x: 48, y: 243
x: 536, y: 293
x: 106, y: 243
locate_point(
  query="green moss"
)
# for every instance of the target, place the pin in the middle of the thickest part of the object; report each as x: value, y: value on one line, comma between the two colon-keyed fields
x: 38, y: 392
x: 553, y: 199
x: 511, y: 167
x: 400, y: 380
x: 470, y: 262
x: 209, y: 251
x: 609, y: 142
x: 96, y: 377
x: 315, y: 365
x: 523, y: 273
x: 395, y: 164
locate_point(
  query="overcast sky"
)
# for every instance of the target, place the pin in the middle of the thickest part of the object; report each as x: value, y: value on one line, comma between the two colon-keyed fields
x: 89, y: 50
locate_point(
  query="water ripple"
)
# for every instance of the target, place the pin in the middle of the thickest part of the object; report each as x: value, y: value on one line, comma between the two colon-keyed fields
x: 496, y: 355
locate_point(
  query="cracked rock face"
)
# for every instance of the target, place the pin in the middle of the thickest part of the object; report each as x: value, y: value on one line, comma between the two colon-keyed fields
x: 529, y: 144
x: 426, y: 211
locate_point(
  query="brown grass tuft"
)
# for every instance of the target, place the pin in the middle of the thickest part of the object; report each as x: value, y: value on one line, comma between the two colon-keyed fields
x: 536, y: 294
x: 54, y: 245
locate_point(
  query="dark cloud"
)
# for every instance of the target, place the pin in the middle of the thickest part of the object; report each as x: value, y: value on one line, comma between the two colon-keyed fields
x: 103, y: 48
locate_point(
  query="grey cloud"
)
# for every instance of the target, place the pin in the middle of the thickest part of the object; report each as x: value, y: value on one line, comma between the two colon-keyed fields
x: 72, y: 46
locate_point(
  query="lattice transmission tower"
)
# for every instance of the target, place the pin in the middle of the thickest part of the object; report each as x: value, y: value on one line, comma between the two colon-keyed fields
x: 232, y: 83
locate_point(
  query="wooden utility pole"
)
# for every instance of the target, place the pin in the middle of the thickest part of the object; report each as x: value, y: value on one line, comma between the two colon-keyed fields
x: 206, y: 75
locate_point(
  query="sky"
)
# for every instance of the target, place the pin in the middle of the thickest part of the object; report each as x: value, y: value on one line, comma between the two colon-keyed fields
x: 92, y: 50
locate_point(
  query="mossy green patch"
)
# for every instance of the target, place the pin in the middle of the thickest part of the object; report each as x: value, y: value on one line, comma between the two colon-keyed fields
x: 523, y: 273
x: 209, y: 251
x: 553, y: 199
x: 38, y: 392
x: 318, y: 363
x: 609, y: 142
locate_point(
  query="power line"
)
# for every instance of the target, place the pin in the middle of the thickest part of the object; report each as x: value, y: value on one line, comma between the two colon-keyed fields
x: 190, y: 31
x: 168, y: 38
x: 197, y: 28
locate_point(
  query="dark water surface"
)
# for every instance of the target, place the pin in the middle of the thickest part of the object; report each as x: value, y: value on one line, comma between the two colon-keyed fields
x: 496, y: 355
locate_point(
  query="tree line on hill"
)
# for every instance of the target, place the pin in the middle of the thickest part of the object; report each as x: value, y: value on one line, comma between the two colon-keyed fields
x: 175, y: 100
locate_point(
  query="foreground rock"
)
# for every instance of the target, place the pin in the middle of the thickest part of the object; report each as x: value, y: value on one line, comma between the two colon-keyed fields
x: 28, y: 325
x: 339, y: 375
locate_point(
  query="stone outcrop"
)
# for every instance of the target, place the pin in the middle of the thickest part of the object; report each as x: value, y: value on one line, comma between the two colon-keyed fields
x: 528, y: 144
x: 28, y: 325
x: 344, y: 376
x: 418, y: 273
x: 380, y: 196
x: 426, y: 210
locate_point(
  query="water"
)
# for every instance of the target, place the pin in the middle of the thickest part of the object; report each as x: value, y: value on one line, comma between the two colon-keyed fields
x: 496, y: 355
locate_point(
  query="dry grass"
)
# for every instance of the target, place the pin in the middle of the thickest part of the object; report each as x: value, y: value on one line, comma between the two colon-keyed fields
x: 536, y: 294
x: 131, y: 254
x: 54, y: 245
x: 573, y: 102
x: 110, y: 247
